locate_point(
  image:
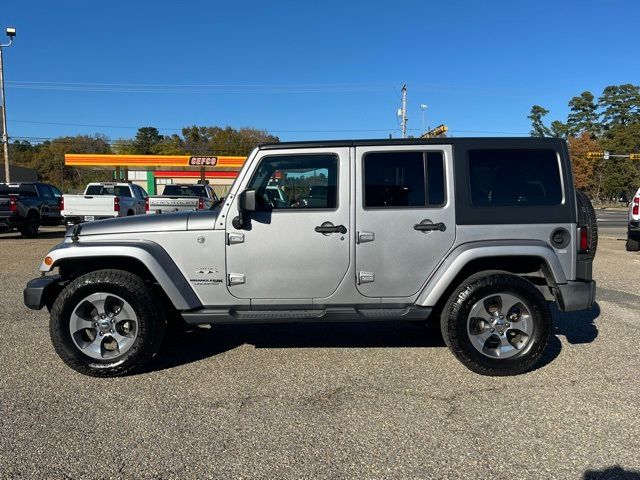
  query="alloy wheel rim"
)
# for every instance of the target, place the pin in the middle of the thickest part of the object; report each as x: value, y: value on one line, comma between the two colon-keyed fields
x: 103, y: 326
x: 500, y: 325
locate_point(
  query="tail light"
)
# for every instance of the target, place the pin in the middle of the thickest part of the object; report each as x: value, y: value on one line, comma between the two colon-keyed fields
x: 146, y: 205
x: 583, y: 237
x: 201, y: 203
x: 636, y: 206
x: 13, y: 204
x: 61, y: 203
x: 116, y: 204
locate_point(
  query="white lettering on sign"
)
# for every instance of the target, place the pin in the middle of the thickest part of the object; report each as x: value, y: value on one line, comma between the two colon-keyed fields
x: 210, y: 161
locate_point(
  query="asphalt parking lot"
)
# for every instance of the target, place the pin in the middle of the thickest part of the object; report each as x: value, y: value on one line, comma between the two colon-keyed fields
x: 326, y: 401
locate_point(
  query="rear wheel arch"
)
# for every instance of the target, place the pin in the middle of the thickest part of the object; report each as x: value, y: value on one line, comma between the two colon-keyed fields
x: 535, y: 268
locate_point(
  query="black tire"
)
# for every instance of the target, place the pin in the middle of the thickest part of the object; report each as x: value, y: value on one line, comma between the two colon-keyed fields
x: 454, y: 323
x: 151, y: 322
x: 29, y: 228
x: 130, y: 213
x: 632, y: 245
x: 587, y: 218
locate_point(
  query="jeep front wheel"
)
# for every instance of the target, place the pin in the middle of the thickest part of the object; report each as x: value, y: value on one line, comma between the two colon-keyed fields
x: 106, y: 323
x: 497, y: 324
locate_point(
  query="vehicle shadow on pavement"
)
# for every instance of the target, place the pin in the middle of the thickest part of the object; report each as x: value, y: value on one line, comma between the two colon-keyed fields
x: 578, y: 327
x: 197, y: 344
x: 612, y: 473
x: 41, y: 235
x: 194, y: 344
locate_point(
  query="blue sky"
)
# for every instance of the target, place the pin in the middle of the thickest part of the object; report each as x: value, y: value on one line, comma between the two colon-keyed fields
x: 303, y: 70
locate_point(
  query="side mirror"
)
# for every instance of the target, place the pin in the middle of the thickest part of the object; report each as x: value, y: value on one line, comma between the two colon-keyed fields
x: 246, y: 204
x: 247, y: 201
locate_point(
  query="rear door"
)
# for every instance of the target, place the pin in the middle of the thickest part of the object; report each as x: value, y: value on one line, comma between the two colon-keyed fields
x: 405, y: 222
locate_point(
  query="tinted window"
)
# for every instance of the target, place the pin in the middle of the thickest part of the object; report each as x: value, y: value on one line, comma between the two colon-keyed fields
x: 185, y: 190
x: 400, y: 179
x: 27, y: 190
x: 119, y: 191
x: 55, y: 191
x: 45, y: 191
x: 296, y: 182
x: 507, y: 178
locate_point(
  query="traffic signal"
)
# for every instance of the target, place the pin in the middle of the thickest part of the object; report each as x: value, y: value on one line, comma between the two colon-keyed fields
x: 635, y: 156
x: 595, y: 154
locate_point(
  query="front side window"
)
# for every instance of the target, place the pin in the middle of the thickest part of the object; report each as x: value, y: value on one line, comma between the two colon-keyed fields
x: 403, y: 179
x: 509, y: 178
x: 285, y: 182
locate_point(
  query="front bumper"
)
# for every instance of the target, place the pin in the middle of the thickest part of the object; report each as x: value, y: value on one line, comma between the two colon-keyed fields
x: 38, y: 291
x: 578, y: 295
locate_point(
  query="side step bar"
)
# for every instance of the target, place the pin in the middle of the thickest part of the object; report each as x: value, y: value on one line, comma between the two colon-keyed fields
x: 331, y: 314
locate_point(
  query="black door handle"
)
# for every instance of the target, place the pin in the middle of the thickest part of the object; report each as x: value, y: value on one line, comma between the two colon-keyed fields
x: 331, y: 228
x: 428, y: 227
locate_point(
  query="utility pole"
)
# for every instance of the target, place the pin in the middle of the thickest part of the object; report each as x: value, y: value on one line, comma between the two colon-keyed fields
x: 404, y: 111
x: 11, y: 32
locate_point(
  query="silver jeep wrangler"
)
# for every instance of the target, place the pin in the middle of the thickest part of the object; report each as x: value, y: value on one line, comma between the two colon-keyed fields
x: 480, y: 233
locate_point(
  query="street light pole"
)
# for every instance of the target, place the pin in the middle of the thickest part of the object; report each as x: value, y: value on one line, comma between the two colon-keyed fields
x: 423, y: 107
x: 11, y: 32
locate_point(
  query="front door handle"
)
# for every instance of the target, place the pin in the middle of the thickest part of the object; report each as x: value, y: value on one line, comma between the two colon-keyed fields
x: 428, y: 227
x: 328, y: 228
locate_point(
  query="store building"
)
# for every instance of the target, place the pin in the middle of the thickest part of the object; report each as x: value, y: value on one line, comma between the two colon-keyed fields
x: 152, y: 172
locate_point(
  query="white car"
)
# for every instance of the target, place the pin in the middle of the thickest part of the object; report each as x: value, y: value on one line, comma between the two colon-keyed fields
x: 633, y: 231
x: 104, y: 200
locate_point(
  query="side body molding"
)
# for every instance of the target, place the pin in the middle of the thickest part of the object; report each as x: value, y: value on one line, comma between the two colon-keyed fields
x: 463, y: 254
x: 152, y: 255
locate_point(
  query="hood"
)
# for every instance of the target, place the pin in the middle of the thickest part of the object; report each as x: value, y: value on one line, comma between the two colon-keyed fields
x: 166, y: 222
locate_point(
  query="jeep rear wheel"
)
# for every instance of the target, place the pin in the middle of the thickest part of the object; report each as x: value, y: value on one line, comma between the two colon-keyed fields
x: 106, y: 323
x: 497, y: 323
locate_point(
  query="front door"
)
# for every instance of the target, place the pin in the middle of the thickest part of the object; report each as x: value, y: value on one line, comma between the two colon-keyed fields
x: 405, y: 221
x: 296, y: 245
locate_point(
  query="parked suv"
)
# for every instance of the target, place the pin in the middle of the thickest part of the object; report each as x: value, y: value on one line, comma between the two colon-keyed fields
x: 25, y: 206
x: 478, y: 233
x: 633, y: 228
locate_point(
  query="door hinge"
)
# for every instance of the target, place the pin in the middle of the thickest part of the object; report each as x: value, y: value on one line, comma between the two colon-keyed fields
x: 235, y: 238
x: 363, y: 237
x: 366, y: 277
x: 235, y: 279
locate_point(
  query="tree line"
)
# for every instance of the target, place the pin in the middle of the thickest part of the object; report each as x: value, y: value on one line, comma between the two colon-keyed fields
x: 48, y: 157
x: 610, y: 122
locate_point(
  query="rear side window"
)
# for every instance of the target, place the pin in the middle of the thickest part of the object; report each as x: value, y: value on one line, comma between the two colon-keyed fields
x: 403, y: 179
x: 510, y: 178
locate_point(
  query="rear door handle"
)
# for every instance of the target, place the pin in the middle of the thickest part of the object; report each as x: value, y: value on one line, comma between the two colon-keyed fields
x: 428, y: 227
x: 327, y: 228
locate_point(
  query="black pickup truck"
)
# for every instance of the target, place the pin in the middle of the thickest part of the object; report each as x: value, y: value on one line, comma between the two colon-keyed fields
x: 25, y: 206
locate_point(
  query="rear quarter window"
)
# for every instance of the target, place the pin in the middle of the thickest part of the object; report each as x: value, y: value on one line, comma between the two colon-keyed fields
x: 514, y: 178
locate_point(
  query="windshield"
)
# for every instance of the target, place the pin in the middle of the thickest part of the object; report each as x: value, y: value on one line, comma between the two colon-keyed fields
x: 119, y: 191
x: 185, y: 190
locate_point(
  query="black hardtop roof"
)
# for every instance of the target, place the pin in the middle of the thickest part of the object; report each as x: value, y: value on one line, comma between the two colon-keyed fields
x: 495, y: 142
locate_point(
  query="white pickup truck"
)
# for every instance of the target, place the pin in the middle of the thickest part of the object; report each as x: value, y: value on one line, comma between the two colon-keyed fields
x: 104, y: 200
x: 182, y: 198
x: 633, y: 228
